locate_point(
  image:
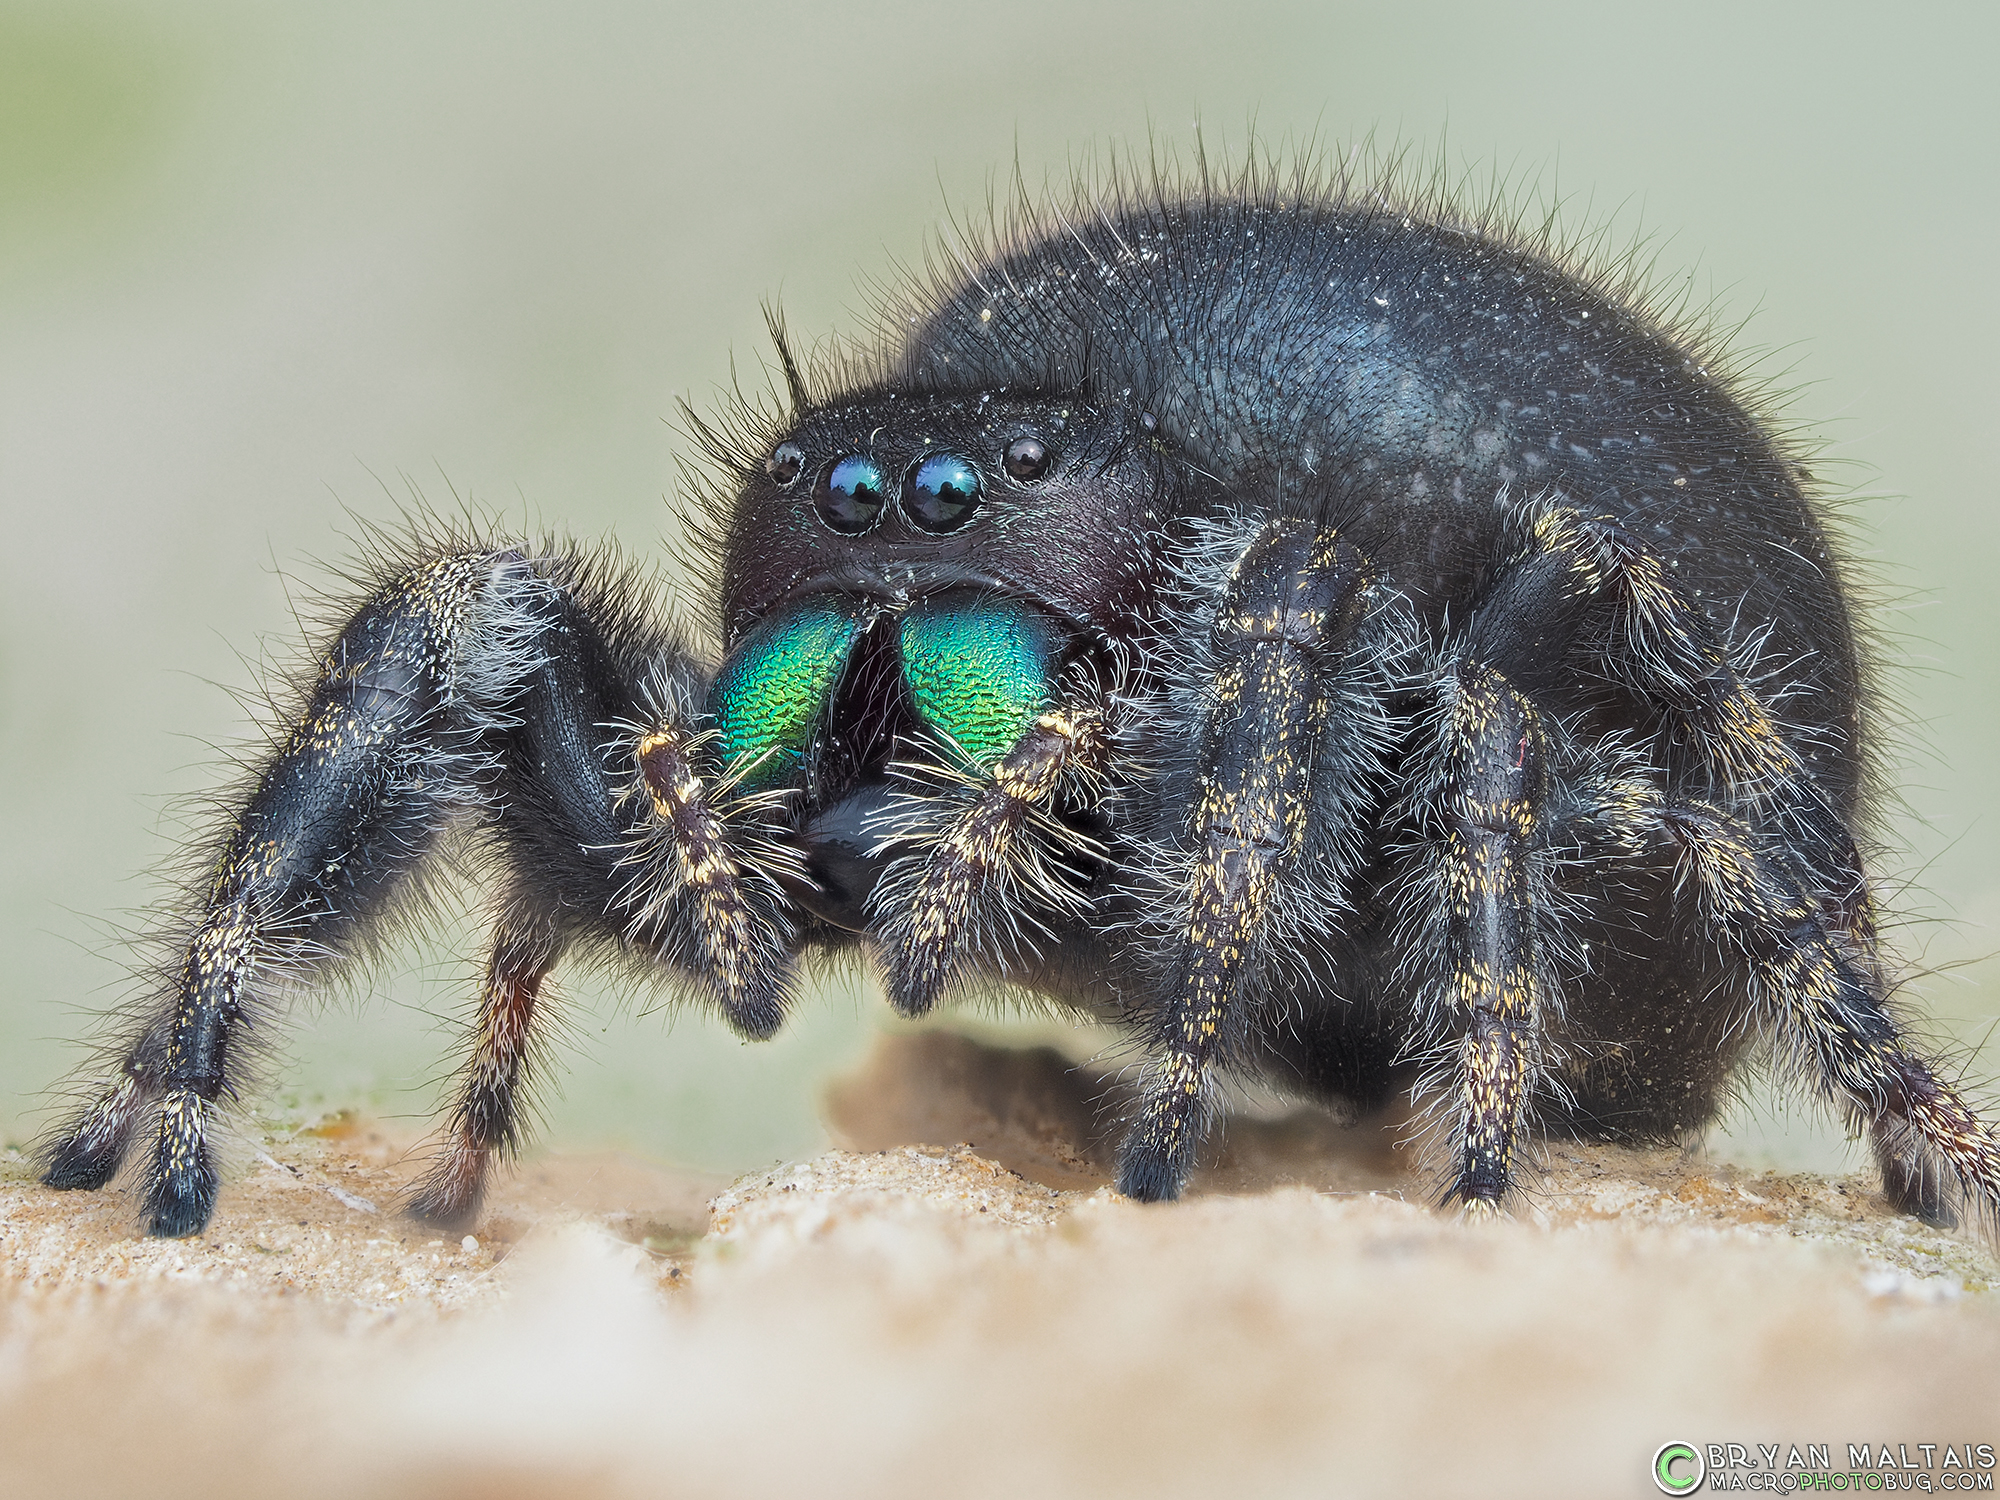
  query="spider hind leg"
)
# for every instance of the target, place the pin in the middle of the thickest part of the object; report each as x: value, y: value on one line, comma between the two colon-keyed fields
x: 1484, y: 789
x: 1823, y: 1000
x: 1779, y: 876
x: 1670, y: 654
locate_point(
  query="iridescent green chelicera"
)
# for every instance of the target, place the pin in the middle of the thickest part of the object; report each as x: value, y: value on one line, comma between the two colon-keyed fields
x: 978, y: 669
x: 775, y: 685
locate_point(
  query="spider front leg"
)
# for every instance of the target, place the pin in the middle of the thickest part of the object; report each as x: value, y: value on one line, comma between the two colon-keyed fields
x: 1292, y: 730
x: 389, y: 749
x: 474, y: 685
x: 1482, y: 789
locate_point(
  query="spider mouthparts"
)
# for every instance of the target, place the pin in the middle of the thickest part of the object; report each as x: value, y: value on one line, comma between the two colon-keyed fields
x: 844, y: 857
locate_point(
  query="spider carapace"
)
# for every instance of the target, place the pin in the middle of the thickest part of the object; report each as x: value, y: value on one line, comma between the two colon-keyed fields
x: 1340, y: 642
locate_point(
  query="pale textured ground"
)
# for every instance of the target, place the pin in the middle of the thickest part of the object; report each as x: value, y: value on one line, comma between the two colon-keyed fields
x: 972, y: 1319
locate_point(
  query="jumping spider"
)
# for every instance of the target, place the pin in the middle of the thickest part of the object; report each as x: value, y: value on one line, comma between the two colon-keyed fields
x: 1328, y: 635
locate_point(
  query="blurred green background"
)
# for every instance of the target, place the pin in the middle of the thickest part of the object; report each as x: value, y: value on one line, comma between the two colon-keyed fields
x: 267, y: 271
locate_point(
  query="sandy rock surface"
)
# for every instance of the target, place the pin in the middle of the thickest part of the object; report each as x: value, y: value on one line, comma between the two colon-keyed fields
x: 960, y: 1306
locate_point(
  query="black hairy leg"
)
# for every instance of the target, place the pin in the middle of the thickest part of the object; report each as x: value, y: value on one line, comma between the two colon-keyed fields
x: 1774, y: 870
x: 1775, y: 867
x: 1580, y: 599
x: 1481, y: 795
x: 383, y: 756
x: 1822, y: 998
x: 476, y: 686
x: 1664, y: 648
x: 484, y: 1115
x: 1269, y: 825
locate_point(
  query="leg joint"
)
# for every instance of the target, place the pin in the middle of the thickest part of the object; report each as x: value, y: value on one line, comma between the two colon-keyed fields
x: 1295, y: 584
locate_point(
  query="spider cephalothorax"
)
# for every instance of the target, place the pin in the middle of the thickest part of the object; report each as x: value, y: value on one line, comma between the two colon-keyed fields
x: 1340, y: 643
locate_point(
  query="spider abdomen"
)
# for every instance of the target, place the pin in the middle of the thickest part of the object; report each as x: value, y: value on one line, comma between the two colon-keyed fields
x: 1403, y: 380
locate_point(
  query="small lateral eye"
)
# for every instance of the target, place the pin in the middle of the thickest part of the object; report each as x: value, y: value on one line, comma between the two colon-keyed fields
x: 785, y: 462
x: 940, y: 492
x: 850, y: 497
x: 1027, y: 459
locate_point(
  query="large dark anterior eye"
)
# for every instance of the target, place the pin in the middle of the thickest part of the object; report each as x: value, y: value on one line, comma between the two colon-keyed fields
x: 850, y: 497
x: 940, y: 492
